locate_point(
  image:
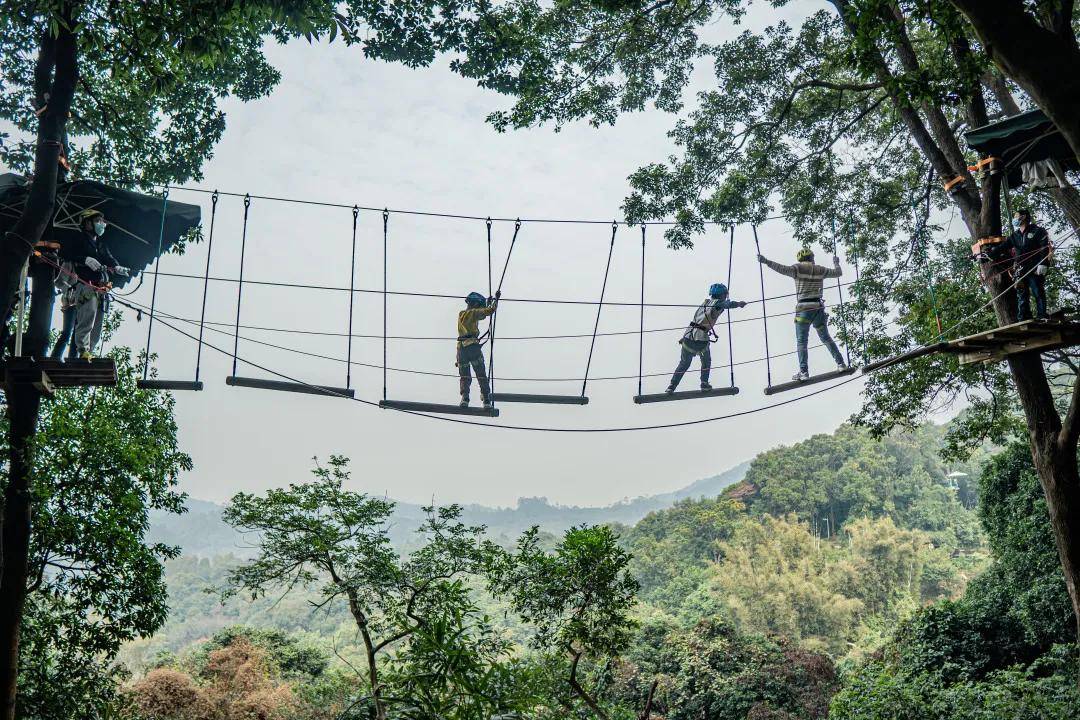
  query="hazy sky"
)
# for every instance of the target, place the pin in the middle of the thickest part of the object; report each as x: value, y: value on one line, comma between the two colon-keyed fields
x: 340, y: 129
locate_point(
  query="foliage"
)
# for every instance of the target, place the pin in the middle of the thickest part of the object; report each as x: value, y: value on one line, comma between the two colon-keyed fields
x: 998, y: 650
x: 417, y: 622
x: 1046, y: 692
x: 711, y: 670
x: 104, y: 458
x: 575, y: 598
x: 828, y: 479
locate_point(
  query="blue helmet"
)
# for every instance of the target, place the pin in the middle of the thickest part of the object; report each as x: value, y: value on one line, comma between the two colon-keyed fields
x: 475, y: 299
x: 717, y: 290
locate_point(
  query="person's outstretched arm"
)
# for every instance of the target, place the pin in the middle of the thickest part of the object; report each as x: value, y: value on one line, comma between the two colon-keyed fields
x: 788, y: 270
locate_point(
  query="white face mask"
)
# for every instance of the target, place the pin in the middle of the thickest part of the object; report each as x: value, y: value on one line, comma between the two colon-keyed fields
x: 99, y: 228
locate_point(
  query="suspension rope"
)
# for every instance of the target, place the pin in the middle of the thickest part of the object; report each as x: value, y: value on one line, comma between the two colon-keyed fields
x: 206, y: 284
x: 240, y: 284
x: 862, y: 324
x: 764, y: 316
x: 452, y: 216
x: 352, y: 296
x: 453, y: 296
x: 490, y: 289
x: 641, y: 327
x: 730, y: 344
x: 153, y: 293
x: 600, y: 306
x: 385, y: 273
x: 843, y: 320
x: 495, y: 315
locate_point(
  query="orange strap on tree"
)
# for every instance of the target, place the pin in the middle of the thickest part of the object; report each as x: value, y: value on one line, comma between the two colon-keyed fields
x: 953, y: 183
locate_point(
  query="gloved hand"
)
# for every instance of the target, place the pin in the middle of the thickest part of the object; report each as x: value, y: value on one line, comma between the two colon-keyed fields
x: 760, y: 258
x: 1041, y: 270
x: 498, y: 294
x: 92, y: 263
x: 836, y: 260
x: 742, y: 303
x: 121, y: 270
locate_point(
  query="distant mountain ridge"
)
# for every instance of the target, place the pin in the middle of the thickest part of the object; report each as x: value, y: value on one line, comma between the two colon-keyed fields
x: 201, y: 532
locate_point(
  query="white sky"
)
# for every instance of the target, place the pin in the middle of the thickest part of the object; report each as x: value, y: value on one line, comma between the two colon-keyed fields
x: 340, y: 129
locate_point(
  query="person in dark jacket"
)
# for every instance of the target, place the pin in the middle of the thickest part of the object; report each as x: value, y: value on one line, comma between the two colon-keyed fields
x: 1030, y: 245
x: 92, y: 262
x: 698, y: 336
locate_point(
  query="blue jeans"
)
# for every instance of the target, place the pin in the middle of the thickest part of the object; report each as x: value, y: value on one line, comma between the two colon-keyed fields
x: 804, y: 319
x: 690, y: 348
x: 1036, y: 285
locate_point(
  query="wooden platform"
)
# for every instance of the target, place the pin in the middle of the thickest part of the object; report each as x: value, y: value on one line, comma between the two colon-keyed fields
x: 812, y: 380
x: 48, y: 374
x: 159, y: 384
x: 999, y: 343
x: 438, y: 408
x: 685, y: 395
x: 286, y: 386
x: 540, y: 399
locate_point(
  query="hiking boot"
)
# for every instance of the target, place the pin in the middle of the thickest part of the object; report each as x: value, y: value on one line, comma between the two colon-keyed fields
x: 670, y: 390
x: 487, y: 404
x: 706, y: 386
x: 464, y: 403
x: 800, y: 376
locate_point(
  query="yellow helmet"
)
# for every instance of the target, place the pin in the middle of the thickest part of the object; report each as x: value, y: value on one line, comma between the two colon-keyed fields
x: 805, y: 255
x: 90, y: 215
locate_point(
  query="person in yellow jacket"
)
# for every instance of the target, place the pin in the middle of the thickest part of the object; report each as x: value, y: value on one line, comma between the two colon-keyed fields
x: 470, y: 351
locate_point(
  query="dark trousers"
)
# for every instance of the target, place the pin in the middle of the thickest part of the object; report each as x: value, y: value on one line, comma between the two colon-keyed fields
x: 470, y: 359
x: 1033, y: 284
x: 690, y: 350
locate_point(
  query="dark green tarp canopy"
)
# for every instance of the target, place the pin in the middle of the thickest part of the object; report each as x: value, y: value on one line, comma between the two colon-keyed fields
x: 1019, y: 139
x: 135, y: 219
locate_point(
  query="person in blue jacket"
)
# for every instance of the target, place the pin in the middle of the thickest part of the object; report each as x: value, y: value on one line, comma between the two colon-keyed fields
x: 698, y: 337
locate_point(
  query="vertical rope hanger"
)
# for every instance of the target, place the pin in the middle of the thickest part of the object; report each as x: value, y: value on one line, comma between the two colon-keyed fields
x: 730, y: 345
x: 385, y: 243
x: 600, y: 306
x: 840, y: 291
x: 495, y: 315
x: 206, y: 284
x: 862, y: 324
x: 490, y: 290
x: 153, y: 292
x: 641, y: 327
x: 352, y: 295
x: 240, y: 283
x: 764, y: 315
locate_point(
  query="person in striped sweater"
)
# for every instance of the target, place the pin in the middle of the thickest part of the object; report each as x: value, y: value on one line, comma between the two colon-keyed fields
x: 809, y: 305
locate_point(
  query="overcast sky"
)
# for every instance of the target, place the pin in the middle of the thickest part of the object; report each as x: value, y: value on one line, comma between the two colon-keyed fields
x: 339, y: 129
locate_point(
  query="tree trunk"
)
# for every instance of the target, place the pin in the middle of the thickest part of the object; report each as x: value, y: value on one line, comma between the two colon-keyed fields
x: 372, y: 661
x: 575, y: 685
x: 56, y: 60
x: 1041, y: 60
x: 24, y: 402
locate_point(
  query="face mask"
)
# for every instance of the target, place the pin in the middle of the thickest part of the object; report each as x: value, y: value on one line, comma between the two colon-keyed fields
x: 99, y: 228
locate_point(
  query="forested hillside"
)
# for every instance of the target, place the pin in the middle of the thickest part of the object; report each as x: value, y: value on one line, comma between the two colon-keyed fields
x: 772, y: 596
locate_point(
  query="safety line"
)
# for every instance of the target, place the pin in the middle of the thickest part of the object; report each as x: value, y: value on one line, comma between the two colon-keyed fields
x: 206, y: 284
x: 157, y: 265
x: 599, y: 307
x: 240, y: 283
